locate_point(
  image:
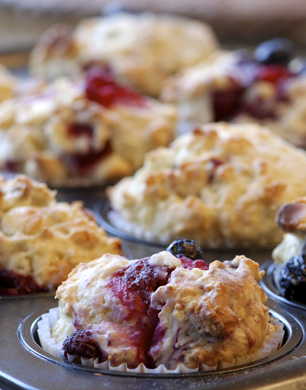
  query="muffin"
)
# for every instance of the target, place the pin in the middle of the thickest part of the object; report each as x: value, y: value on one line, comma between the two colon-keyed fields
x: 140, y: 50
x: 266, y: 88
x: 290, y: 254
x: 220, y: 185
x: 7, y: 84
x: 43, y: 240
x: 82, y: 132
x: 162, y: 310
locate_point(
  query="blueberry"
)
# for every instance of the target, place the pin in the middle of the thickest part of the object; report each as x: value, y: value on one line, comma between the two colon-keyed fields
x: 274, y: 51
x: 187, y: 248
x: 292, y: 279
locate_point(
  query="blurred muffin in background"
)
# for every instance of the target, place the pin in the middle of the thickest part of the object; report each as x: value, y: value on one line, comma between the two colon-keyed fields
x: 7, y: 84
x: 140, y: 50
x: 268, y: 88
x: 82, y: 132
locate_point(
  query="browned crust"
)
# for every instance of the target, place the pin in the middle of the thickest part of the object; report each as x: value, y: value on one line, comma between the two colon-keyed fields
x: 292, y: 216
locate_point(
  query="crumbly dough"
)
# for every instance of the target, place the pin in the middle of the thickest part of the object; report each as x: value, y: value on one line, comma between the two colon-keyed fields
x: 204, y: 316
x: 192, y: 91
x: 43, y: 238
x: 220, y: 185
x: 142, y: 50
x: 292, y: 219
x: 211, y: 316
x: 35, y: 137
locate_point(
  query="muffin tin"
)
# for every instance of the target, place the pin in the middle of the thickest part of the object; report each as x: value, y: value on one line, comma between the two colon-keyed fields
x: 27, y: 366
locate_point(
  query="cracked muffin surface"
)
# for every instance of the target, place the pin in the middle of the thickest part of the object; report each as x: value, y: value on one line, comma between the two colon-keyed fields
x: 43, y: 240
x: 220, y: 185
x: 162, y: 310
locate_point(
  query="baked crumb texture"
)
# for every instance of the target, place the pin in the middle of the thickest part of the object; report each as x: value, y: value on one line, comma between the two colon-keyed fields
x: 158, y: 311
x: 59, y: 136
x: 43, y: 239
x: 220, y: 185
x: 141, y: 50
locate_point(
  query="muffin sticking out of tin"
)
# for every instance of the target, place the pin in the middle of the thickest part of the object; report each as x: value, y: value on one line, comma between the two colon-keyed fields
x: 43, y: 240
x: 163, y: 310
x: 220, y: 185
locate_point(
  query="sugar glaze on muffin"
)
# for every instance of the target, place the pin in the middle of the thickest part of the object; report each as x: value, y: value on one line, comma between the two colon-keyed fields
x: 162, y: 310
x: 220, y: 185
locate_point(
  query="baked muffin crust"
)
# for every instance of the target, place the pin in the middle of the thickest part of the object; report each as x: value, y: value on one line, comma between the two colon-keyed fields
x: 220, y: 185
x: 45, y: 239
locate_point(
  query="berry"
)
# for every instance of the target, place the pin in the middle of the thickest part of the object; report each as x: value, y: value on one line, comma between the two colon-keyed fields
x: 13, y: 283
x: 82, y: 344
x: 274, y: 51
x: 102, y: 88
x: 187, y: 248
x: 292, y: 280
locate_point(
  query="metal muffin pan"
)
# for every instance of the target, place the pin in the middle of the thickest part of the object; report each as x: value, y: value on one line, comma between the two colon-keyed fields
x: 142, y: 248
x: 270, y: 288
x: 25, y: 365
x: 28, y: 336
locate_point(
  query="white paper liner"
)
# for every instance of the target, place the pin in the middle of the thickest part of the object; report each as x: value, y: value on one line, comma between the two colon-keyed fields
x: 48, y: 344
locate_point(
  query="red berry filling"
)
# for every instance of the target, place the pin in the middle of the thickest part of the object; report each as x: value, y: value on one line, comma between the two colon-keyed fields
x: 190, y: 264
x: 80, y: 129
x: 13, y: 283
x: 230, y: 102
x: 133, y: 286
x: 102, y: 88
x: 82, y: 164
x: 13, y: 166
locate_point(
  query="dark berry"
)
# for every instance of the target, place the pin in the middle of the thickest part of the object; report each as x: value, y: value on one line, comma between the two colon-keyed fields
x: 274, y: 51
x: 82, y: 344
x: 187, y: 248
x: 13, y: 283
x: 292, y: 281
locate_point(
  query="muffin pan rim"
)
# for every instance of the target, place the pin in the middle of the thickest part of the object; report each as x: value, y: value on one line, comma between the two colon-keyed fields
x: 27, y: 335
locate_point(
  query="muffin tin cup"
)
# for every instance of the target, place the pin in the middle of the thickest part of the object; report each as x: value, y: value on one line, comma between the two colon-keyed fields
x: 142, y: 248
x: 269, y: 285
x: 48, y: 344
